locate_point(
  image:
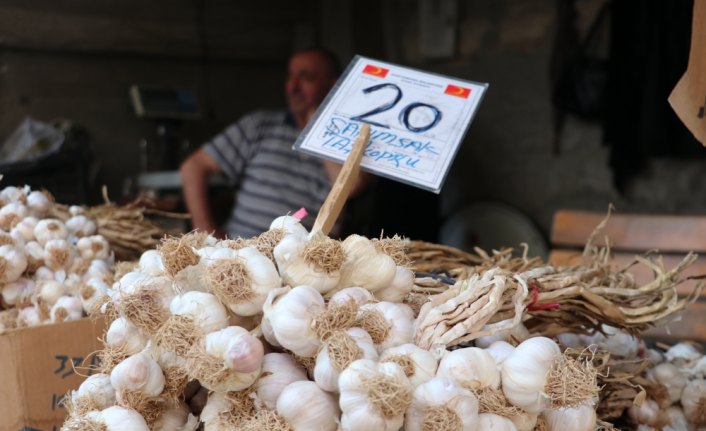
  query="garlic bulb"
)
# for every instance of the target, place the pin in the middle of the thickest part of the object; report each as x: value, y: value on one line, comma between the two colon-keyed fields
x: 470, y: 367
x: 18, y: 292
x: 93, y: 294
x: 670, y: 377
x: 25, y: 228
x: 647, y: 413
x: 676, y: 420
x: 515, y: 335
x: 400, y: 286
x: 290, y: 224
x: 305, y: 406
x: 579, y: 418
x: 373, y: 396
x: 118, y: 418
x: 693, y: 400
x: 39, y: 203
x: 615, y: 341
x: 682, y: 351
x: 48, y: 229
x: 176, y: 418
x: 289, y: 312
x: 278, y: 371
x: 339, y: 351
x: 50, y: 291
x: 11, y: 214
x: 358, y: 294
x: 268, y: 333
x: 243, y: 283
x: 13, y: 263
x: 66, y: 309
x: 239, y: 350
x: 138, y: 372
x: 365, y: 266
x: 11, y: 194
x: 29, y: 316
x: 299, y: 264
x: 441, y: 404
x: 80, y: 226
x: 93, y: 247
x: 490, y: 421
x: 208, y: 313
x: 151, y: 263
x: 418, y: 364
x: 96, y: 390
x: 389, y: 324
x: 122, y: 334
x: 500, y: 350
x: 524, y: 373
x: 58, y: 254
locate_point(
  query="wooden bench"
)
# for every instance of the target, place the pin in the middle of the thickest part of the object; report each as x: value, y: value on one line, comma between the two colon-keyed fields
x: 671, y: 236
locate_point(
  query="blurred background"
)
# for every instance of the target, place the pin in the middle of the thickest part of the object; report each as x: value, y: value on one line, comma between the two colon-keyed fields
x: 576, y: 115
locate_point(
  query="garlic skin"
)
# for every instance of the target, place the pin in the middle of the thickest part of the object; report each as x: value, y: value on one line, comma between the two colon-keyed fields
x: 151, y: 263
x: 98, y: 388
x: 291, y: 224
x: 138, y: 372
x: 615, y: 341
x: 176, y: 418
x: 25, y: 228
x: 682, y: 351
x: 365, y: 266
x: 11, y: 214
x: 29, y: 316
x: 118, y: 418
x: 423, y: 362
x: 93, y: 247
x: 471, y: 368
x: 670, y: 377
x: 400, y: 319
x: 240, y: 351
x: 264, y: 278
x: 15, y: 263
x: 66, y: 309
x: 208, y: 313
x: 490, y: 421
x: 58, y: 254
x: 38, y: 203
x: 295, y: 270
x: 93, y: 293
x: 80, y: 226
x: 326, y: 375
x: 358, y: 294
x: 401, y: 285
x: 500, y: 350
x: 516, y: 334
x: 289, y: 312
x: 48, y: 229
x: 305, y: 406
x: 524, y: 373
x: 693, y: 399
x: 579, y: 418
x: 278, y: 371
x: 648, y: 413
x: 677, y: 420
x: 122, y: 334
x: 18, y: 292
x: 359, y: 412
x: 267, y: 333
x: 442, y: 392
x: 50, y: 291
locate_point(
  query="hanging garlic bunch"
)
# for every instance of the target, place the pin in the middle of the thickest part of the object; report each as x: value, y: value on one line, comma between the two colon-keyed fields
x: 388, y: 323
x: 471, y: 368
x: 670, y: 377
x: 524, y: 373
x: 693, y: 401
x: 290, y: 312
x: 138, y: 373
x: 400, y: 286
x: 440, y: 404
x: 419, y: 365
x: 314, y: 262
x: 365, y: 265
x: 96, y: 392
x: 578, y: 418
x: 13, y: 263
x: 338, y: 352
x: 373, y: 396
x: 278, y: 371
x: 243, y: 282
x: 321, y: 411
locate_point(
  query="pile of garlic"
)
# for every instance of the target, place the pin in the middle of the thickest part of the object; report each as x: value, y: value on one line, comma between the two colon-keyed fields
x: 50, y: 270
x: 296, y: 331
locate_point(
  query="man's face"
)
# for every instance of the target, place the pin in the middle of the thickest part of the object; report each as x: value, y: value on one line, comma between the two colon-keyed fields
x: 308, y: 80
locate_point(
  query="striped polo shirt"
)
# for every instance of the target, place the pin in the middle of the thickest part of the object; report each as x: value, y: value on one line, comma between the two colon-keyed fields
x: 271, y: 178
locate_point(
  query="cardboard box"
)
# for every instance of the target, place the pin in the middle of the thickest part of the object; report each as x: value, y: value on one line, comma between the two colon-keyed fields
x: 37, y: 370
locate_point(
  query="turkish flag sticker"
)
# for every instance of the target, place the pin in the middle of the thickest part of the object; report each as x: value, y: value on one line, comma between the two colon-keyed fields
x: 375, y: 70
x: 457, y: 91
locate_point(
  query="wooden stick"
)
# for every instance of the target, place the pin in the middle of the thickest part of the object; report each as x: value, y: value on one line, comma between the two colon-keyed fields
x: 342, y: 187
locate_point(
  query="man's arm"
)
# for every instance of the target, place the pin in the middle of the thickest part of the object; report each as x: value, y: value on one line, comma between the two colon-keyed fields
x: 195, y: 172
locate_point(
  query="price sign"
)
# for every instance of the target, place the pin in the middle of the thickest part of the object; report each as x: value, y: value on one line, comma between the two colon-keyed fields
x: 417, y: 119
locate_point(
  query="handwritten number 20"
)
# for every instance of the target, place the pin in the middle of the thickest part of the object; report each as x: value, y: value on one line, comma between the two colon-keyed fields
x: 404, y: 115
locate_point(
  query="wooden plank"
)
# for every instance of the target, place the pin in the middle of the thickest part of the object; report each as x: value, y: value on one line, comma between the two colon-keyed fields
x: 638, y: 232
x: 642, y: 273
x: 689, y: 324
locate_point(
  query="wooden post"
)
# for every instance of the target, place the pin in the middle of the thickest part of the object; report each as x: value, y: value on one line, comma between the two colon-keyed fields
x: 340, y: 190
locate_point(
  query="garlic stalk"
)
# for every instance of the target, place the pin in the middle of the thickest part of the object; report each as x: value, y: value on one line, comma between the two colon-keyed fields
x: 278, y: 371
x: 441, y: 404
x: 470, y: 367
x: 419, y: 365
x: 321, y: 411
x: 289, y: 312
x: 373, y: 396
x: 339, y: 351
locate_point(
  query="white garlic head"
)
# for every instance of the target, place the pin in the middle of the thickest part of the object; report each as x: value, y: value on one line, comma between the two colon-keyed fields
x: 442, y: 401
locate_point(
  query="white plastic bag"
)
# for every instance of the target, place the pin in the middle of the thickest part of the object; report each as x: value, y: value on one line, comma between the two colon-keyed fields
x: 31, y: 140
